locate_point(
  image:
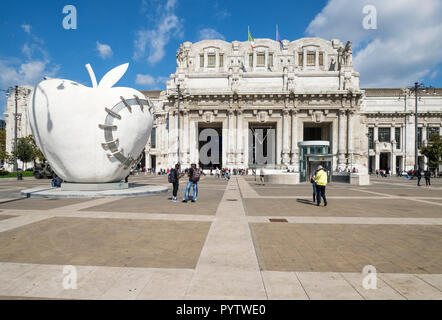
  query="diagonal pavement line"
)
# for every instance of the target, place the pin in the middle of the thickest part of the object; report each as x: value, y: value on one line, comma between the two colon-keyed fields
x: 384, y: 195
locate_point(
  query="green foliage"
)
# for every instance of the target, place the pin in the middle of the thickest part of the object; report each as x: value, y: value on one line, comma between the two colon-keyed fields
x: 3, y: 154
x: 37, y: 152
x: 24, y: 151
x: 433, y: 151
x: 6, y: 174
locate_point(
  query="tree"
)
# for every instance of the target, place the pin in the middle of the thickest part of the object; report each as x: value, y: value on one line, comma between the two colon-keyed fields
x: 37, y: 152
x: 433, y: 151
x: 3, y: 154
x: 24, y: 151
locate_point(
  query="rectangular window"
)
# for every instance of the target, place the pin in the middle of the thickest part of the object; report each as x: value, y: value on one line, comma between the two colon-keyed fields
x: 370, y: 138
x: 270, y: 59
x: 397, y: 137
x: 431, y: 131
x: 251, y: 60
x: 300, y: 59
x: 311, y: 56
x: 211, y: 60
x: 261, y: 58
x: 201, y: 61
x: 419, y: 137
x: 384, y: 134
x: 321, y: 59
x: 221, y: 60
x: 153, y: 138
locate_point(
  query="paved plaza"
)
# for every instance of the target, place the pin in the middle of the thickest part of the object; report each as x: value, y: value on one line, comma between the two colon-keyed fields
x: 239, y: 240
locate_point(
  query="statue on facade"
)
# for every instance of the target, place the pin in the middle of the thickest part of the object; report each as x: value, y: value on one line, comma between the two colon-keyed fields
x: 348, y: 52
x: 182, y: 57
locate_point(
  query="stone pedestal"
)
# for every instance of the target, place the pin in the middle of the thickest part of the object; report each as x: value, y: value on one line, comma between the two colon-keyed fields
x: 283, y: 178
x: 67, y: 186
x: 359, y: 179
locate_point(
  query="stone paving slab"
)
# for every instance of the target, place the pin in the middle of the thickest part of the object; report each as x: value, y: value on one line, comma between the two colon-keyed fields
x: 342, y: 208
x: 348, y: 248
x: 38, y: 204
x: 305, y: 191
x: 412, y: 288
x: 207, y: 203
x: 5, y: 216
x: 106, y: 242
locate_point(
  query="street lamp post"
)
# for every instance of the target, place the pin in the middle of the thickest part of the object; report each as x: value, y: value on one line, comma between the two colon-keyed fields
x: 416, y: 158
x: 15, y: 129
x: 417, y: 86
x: 178, y: 132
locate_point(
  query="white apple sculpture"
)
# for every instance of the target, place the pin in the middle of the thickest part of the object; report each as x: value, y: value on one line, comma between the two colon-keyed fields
x: 90, y: 135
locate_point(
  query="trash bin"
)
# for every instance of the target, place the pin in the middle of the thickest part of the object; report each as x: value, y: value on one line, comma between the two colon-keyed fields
x: 19, y: 176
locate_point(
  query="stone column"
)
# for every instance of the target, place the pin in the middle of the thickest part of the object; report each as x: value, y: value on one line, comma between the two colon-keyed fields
x: 193, y: 144
x: 376, y: 147
x: 285, y: 138
x: 393, y: 150
x: 350, y: 121
x: 240, y: 138
x: 231, y: 142
x: 185, y: 142
x: 295, y: 160
x: 341, y: 141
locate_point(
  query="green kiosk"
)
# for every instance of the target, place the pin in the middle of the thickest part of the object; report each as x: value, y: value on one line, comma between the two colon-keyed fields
x: 311, y: 155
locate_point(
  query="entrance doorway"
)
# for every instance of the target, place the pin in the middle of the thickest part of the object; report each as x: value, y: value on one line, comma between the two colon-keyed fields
x: 262, y: 145
x: 153, y: 162
x: 384, y: 163
x: 210, y: 145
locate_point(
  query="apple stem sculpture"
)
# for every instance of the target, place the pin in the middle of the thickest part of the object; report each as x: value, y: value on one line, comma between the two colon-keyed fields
x: 90, y: 134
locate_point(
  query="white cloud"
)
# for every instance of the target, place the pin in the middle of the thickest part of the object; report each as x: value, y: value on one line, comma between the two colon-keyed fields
x: 145, y: 79
x: 209, y: 33
x: 26, y: 28
x: 104, y: 50
x: 29, y: 70
x: 405, y: 47
x: 155, y: 40
x: 151, y: 82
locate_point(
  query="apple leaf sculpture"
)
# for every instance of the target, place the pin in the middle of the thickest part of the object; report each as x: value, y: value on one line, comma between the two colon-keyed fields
x: 90, y: 135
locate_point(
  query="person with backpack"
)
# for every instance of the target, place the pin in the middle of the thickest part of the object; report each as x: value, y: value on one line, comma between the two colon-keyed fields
x: 174, y: 177
x: 427, y: 177
x: 194, y: 177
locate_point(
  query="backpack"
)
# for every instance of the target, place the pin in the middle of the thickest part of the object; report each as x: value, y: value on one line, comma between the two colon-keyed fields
x: 195, y: 175
x: 171, y: 177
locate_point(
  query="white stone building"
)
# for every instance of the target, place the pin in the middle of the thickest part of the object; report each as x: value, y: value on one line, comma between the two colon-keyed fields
x: 290, y: 106
x: 24, y: 97
x: 305, y: 93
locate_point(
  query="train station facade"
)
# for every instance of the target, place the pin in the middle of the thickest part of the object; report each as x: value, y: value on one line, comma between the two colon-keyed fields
x: 285, y: 106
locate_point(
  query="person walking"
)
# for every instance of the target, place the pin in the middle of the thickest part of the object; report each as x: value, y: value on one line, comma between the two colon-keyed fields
x: 174, y: 178
x: 419, y: 177
x: 217, y: 173
x: 427, y: 177
x: 227, y: 174
x: 194, y: 177
x: 261, y: 176
x: 321, y: 182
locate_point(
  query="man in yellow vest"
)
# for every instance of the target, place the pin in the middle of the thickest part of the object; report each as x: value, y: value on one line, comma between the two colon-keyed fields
x: 321, y: 181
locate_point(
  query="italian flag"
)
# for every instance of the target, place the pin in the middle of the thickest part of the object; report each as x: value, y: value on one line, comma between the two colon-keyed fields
x: 251, y: 40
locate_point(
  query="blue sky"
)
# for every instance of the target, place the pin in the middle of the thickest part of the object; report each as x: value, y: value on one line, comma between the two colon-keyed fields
x: 406, y: 45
